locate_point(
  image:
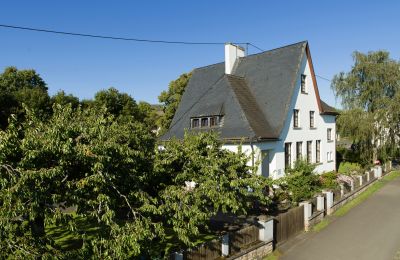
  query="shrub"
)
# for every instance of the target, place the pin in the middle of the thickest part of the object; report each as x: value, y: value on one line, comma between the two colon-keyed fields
x: 300, y: 182
x: 329, y: 180
x: 348, y: 168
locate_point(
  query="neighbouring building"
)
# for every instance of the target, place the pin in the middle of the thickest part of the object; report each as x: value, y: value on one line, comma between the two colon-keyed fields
x: 267, y: 102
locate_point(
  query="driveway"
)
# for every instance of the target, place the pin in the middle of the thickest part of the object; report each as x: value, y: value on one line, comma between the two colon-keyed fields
x: 371, y: 230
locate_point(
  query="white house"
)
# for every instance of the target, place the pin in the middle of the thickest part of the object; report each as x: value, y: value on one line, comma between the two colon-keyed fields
x: 267, y: 102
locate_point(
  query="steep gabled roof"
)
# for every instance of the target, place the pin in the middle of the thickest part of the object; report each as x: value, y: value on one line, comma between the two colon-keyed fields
x: 254, y: 99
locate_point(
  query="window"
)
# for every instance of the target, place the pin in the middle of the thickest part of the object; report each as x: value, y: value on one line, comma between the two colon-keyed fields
x: 288, y: 155
x: 318, y: 151
x: 329, y: 157
x: 213, y: 121
x: 309, y: 151
x: 303, y: 83
x: 312, y: 119
x: 204, y: 122
x: 329, y: 134
x: 299, y: 150
x: 295, y: 118
x: 195, y: 122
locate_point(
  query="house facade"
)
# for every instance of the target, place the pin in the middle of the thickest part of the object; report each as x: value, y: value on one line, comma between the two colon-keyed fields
x: 267, y: 103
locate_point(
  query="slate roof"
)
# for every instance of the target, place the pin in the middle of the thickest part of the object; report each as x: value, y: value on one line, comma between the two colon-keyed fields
x: 254, y: 100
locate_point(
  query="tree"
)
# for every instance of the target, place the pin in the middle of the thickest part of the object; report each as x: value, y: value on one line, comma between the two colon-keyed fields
x: 149, y: 115
x: 171, y: 99
x: 18, y: 87
x: 197, y: 179
x: 121, y: 105
x: 78, y: 157
x: 63, y: 99
x: 370, y: 93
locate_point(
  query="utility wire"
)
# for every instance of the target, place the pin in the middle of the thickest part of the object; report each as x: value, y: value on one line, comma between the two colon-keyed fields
x: 129, y: 39
x: 323, y: 78
x: 113, y: 37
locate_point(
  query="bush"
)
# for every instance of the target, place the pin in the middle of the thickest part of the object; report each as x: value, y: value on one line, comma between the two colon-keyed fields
x: 348, y: 168
x: 329, y: 180
x: 300, y: 182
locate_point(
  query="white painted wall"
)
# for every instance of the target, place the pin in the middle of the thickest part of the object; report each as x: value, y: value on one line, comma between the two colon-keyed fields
x: 232, y: 53
x: 276, y: 154
x: 306, y: 103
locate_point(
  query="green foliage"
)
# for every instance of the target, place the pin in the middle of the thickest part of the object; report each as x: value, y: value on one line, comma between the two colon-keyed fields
x: 121, y: 105
x: 149, y: 115
x: 109, y: 170
x: 329, y: 180
x: 80, y: 158
x: 348, y: 168
x: 300, y: 182
x: 370, y: 93
x: 18, y: 87
x: 171, y: 99
x: 223, y: 183
x: 63, y: 99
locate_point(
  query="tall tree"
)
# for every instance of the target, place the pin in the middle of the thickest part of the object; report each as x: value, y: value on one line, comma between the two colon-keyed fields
x: 196, y: 179
x: 369, y: 92
x: 118, y: 104
x: 171, y: 99
x: 18, y: 87
x: 78, y: 157
x: 63, y: 99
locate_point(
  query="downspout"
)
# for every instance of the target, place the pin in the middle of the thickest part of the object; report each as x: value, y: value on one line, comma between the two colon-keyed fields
x: 252, y: 152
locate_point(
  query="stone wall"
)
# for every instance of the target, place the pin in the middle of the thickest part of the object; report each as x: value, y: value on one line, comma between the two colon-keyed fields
x: 316, y: 218
x: 257, y: 252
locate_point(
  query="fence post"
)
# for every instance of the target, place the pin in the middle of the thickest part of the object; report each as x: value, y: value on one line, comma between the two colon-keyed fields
x: 178, y: 256
x: 307, y: 213
x: 225, y: 245
x: 368, y: 177
x: 266, y: 229
x: 361, y: 180
x: 377, y: 171
x: 341, y: 190
x: 320, y: 203
x: 329, y: 202
x: 352, y: 184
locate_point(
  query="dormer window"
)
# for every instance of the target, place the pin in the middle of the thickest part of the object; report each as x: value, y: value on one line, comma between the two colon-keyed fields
x: 195, y: 123
x: 303, y: 84
x: 205, y: 121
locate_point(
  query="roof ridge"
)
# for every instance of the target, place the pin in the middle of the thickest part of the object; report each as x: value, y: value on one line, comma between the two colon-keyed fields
x: 275, y: 49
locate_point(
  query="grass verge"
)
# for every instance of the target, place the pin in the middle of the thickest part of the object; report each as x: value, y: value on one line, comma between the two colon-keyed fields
x: 367, y: 193
x: 362, y: 197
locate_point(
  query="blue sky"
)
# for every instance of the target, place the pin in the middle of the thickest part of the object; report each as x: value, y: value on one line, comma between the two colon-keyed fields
x: 82, y: 66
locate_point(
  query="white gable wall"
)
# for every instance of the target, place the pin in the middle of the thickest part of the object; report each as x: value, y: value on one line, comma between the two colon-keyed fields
x: 306, y: 103
x: 276, y: 149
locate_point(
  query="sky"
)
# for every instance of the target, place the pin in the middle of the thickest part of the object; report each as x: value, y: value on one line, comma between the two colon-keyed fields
x: 83, y: 66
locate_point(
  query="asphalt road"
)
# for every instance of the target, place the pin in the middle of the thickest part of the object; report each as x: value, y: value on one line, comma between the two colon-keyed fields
x: 371, y: 230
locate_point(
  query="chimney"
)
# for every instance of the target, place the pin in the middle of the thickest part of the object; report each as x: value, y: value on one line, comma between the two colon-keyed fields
x: 232, y: 53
